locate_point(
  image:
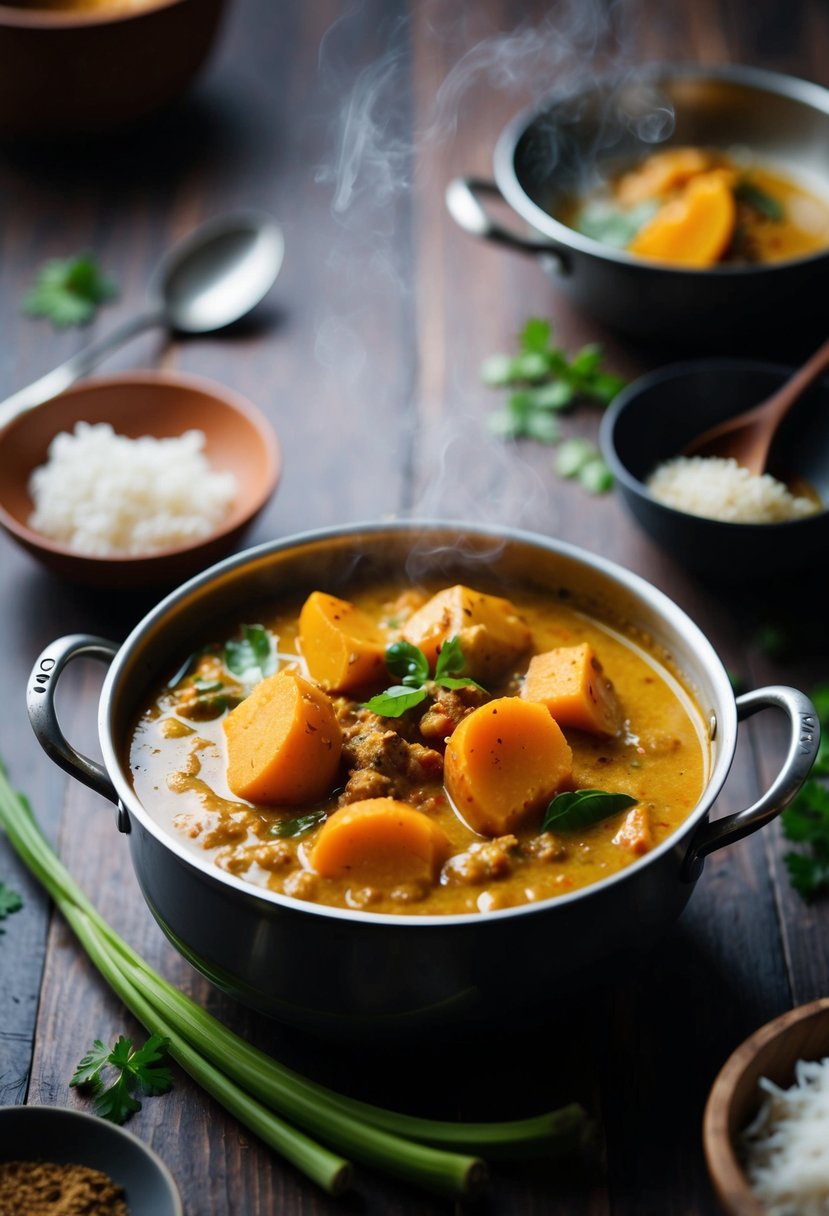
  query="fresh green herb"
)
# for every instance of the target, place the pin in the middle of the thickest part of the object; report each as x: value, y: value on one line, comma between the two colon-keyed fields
x: 252, y: 656
x: 604, y: 221
x: 747, y: 192
x: 264, y: 1094
x: 580, y: 458
x: 10, y: 902
x: 806, y: 821
x: 298, y: 825
x: 543, y: 382
x: 579, y: 808
x: 411, y: 665
x: 137, y: 1070
x: 68, y: 291
x: 408, y: 662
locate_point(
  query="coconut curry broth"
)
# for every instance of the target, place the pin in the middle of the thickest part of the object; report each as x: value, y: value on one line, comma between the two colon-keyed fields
x: 657, y: 754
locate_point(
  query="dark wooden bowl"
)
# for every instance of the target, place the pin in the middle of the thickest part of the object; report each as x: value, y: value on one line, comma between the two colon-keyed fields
x: 772, y: 1051
x: 73, y: 73
x: 239, y: 439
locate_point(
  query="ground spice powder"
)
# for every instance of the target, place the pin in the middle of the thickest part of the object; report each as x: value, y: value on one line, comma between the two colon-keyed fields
x: 43, y: 1188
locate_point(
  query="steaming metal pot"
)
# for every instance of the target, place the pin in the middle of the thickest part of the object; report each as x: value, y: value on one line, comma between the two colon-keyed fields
x: 554, y: 151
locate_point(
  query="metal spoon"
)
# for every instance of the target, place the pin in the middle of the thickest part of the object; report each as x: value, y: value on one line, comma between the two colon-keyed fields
x: 748, y: 436
x: 212, y: 278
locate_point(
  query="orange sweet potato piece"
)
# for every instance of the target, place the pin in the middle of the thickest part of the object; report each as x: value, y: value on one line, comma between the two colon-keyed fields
x: 283, y: 742
x: 491, y: 633
x: 343, y: 647
x: 505, y: 760
x: 572, y: 684
x: 381, y: 842
x: 693, y: 229
x: 659, y: 174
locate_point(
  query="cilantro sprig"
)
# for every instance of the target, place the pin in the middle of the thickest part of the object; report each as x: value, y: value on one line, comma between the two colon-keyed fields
x: 10, y: 902
x: 410, y: 665
x: 68, y: 291
x: 137, y: 1071
x: 806, y: 820
x: 543, y: 382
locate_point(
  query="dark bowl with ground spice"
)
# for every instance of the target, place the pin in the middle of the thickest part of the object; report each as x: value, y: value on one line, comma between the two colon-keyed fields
x: 60, y: 1162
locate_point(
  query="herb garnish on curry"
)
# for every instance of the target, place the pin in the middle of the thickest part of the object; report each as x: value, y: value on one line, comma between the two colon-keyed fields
x: 430, y: 750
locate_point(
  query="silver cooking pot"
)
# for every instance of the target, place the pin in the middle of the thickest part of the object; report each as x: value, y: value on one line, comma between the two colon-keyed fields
x: 559, y: 149
x: 352, y: 973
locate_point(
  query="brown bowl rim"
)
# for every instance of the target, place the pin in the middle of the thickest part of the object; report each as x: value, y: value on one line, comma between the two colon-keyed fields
x: 51, y: 19
x: 203, y: 384
x: 724, y: 1169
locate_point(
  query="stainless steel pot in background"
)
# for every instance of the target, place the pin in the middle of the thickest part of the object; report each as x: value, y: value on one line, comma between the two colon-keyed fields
x: 359, y: 973
x: 556, y: 150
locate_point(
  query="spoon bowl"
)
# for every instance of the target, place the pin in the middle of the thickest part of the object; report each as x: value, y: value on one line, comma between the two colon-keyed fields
x: 214, y: 277
x: 219, y: 272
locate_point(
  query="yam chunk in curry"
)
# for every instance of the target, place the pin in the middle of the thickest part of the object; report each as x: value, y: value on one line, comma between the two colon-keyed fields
x: 571, y: 682
x: 491, y: 633
x: 441, y: 803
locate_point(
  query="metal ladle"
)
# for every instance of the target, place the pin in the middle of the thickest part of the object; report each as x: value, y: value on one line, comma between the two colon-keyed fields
x: 748, y: 436
x: 212, y: 278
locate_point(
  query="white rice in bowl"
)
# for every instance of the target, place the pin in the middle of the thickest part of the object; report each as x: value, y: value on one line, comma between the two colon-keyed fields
x: 786, y: 1148
x: 722, y: 489
x: 106, y: 495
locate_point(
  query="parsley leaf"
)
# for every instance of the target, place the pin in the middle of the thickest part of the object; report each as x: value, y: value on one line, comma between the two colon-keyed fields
x: 580, y: 808
x: 68, y: 291
x: 138, y: 1071
x: 806, y: 821
x: 10, y: 902
x: 543, y: 382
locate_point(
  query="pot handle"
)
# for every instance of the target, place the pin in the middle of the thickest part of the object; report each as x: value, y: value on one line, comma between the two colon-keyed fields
x: 803, y: 745
x: 40, y: 700
x: 468, y: 212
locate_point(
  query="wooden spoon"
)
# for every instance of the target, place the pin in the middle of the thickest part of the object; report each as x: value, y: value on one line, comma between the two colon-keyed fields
x: 747, y: 437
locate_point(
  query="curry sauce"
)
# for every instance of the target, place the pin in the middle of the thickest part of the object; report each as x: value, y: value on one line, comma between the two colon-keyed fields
x: 655, y: 751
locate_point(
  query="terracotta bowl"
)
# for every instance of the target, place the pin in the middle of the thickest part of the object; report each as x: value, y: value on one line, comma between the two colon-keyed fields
x: 772, y: 1051
x: 239, y: 439
x: 69, y: 71
x: 61, y: 1135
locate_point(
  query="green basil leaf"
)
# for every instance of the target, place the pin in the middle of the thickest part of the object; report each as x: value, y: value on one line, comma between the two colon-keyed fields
x: 254, y: 650
x: 580, y: 808
x: 396, y: 700
x: 298, y: 825
x: 203, y: 686
x: 450, y: 659
x: 457, y: 682
x: 407, y: 662
x: 572, y: 455
x: 768, y: 206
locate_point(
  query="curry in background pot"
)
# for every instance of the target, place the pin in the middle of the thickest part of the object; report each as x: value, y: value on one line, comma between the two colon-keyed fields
x: 695, y: 208
x: 422, y: 750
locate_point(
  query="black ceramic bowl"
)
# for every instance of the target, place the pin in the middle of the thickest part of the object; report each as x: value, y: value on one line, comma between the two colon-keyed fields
x: 654, y: 418
x: 64, y: 1136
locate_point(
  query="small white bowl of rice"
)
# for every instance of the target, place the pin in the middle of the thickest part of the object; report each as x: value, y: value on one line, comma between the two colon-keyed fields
x: 139, y: 479
x: 712, y: 516
x: 766, y: 1122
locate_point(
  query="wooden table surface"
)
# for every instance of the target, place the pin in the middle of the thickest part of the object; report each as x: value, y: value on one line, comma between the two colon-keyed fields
x: 346, y: 122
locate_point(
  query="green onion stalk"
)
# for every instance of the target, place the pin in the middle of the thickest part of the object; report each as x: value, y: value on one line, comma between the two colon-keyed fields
x: 267, y: 1096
